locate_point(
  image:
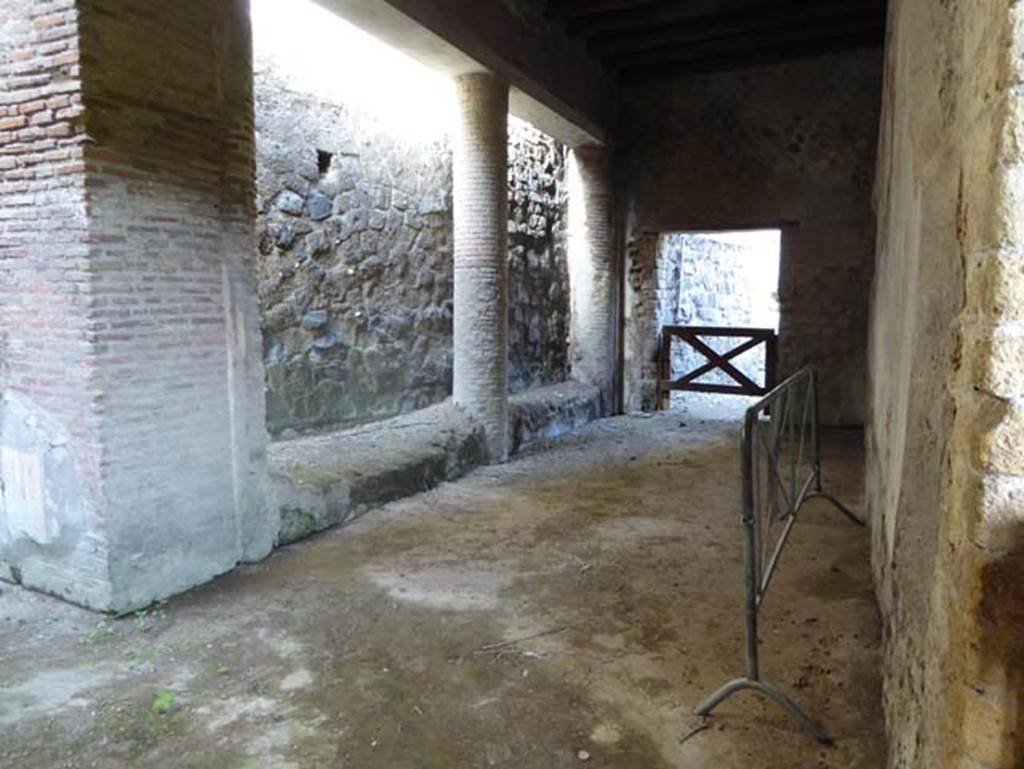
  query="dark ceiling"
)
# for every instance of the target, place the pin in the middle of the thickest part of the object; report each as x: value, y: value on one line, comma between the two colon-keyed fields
x: 644, y: 40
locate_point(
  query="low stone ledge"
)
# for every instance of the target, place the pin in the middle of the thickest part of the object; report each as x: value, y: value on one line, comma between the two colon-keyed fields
x: 545, y: 413
x: 329, y: 479
x: 325, y: 480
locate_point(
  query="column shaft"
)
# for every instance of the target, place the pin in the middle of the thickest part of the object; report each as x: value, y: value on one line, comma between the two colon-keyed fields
x: 592, y: 271
x: 480, y: 165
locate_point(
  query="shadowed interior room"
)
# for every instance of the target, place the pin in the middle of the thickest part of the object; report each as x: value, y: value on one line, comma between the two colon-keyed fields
x: 511, y: 383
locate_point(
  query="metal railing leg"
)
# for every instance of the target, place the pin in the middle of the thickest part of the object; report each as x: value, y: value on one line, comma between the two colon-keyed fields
x: 792, y: 709
x: 838, y: 506
x: 816, y: 453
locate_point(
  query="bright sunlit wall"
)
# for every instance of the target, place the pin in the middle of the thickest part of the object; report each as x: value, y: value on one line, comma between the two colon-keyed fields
x: 317, y: 52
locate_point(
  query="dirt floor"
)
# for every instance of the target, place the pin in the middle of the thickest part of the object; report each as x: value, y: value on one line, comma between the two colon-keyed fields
x: 566, y: 610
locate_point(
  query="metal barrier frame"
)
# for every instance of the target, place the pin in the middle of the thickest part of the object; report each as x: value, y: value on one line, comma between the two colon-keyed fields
x: 776, y: 405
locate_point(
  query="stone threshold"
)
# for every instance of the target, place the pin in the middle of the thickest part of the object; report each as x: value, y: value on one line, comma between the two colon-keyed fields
x: 329, y: 479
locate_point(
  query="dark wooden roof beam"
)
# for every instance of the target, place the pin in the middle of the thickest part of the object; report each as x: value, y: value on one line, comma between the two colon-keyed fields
x: 657, y: 13
x: 762, y: 55
x: 792, y: 12
x: 791, y: 35
x: 571, y: 9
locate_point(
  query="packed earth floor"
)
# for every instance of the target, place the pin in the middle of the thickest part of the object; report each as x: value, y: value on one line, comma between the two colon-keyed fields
x: 568, y: 609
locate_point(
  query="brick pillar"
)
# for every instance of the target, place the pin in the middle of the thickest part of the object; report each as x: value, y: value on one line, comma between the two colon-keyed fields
x: 170, y: 173
x: 592, y: 271
x: 481, y: 256
x: 132, y: 430
x: 51, y: 537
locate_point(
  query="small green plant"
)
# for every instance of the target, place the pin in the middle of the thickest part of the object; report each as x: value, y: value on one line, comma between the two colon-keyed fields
x: 102, y: 629
x: 138, y: 652
x: 145, y: 619
x: 163, y: 702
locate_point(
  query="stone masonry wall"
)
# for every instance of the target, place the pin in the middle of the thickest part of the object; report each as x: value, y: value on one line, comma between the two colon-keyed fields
x: 538, y: 272
x: 945, y: 450
x: 355, y: 261
x: 746, y: 149
x: 354, y: 244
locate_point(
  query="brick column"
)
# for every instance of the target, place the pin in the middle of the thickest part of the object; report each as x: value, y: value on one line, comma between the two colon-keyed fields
x: 171, y: 186
x: 481, y: 256
x: 132, y: 429
x: 592, y: 271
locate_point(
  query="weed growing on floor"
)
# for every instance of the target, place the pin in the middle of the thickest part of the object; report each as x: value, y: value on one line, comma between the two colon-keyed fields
x: 146, y: 619
x: 163, y: 702
x: 100, y: 631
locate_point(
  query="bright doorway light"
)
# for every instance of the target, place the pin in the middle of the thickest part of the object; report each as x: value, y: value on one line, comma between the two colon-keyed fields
x: 719, y: 279
x: 758, y: 251
x: 317, y: 52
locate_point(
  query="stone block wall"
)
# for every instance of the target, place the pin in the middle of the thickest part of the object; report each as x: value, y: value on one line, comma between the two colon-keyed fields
x: 945, y: 470
x: 354, y: 227
x: 355, y: 261
x: 743, y: 150
x: 538, y: 272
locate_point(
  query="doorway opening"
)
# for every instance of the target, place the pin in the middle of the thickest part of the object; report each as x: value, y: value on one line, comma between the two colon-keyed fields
x: 718, y: 279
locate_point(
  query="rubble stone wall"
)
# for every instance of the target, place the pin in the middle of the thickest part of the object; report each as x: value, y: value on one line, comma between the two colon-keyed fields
x: 355, y: 261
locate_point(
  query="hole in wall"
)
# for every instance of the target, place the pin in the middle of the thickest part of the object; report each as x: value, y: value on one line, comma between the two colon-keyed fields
x: 323, y: 161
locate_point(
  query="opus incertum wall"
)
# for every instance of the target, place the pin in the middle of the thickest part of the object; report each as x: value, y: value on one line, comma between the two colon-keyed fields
x: 355, y: 261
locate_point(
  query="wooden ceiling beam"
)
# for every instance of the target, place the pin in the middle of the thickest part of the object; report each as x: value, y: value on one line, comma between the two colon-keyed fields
x: 655, y: 14
x: 737, y: 44
x: 752, y: 57
x: 571, y: 9
x: 769, y: 18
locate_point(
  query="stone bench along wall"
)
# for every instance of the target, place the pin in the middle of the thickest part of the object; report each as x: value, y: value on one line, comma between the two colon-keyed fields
x: 355, y: 262
x: 329, y: 479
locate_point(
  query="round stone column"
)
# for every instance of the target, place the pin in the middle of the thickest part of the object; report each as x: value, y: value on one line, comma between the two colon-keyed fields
x: 480, y: 190
x: 591, y: 259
